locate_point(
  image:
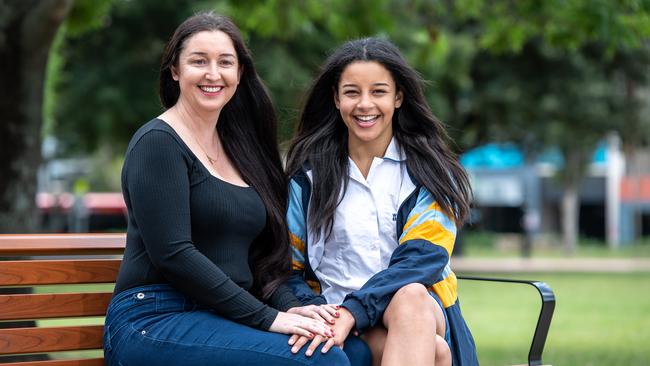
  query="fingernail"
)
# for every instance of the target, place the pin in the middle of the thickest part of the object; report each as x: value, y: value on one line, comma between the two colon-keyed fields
x: 308, y: 353
x: 337, y: 314
x: 294, y: 350
x: 337, y: 307
x: 311, y: 335
x: 332, y: 321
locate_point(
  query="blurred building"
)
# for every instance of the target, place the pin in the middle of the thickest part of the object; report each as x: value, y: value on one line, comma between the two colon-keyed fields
x: 511, y: 196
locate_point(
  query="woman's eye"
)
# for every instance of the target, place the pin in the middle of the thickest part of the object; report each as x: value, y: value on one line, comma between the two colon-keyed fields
x: 380, y: 92
x: 198, y: 62
x: 227, y: 63
x: 350, y: 93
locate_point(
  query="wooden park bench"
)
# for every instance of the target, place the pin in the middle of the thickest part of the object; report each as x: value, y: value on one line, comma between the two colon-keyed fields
x: 41, y: 260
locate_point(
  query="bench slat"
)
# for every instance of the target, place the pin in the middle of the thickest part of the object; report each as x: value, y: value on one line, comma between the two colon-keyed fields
x: 41, y: 340
x: 39, y: 306
x: 87, y: 362
x: 61, y: 244
x: 50, y: 272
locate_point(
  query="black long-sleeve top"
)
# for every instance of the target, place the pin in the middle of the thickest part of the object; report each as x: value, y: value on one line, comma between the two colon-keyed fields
x: 190, y: 229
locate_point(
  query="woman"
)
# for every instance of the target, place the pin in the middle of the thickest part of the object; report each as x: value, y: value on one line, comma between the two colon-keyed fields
x: 207, y: 247
x: 376, y: 197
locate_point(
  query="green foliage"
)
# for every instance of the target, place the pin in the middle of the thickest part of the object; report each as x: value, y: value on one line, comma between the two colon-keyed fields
x: 108, y: 85
x: 506, y: 26
x: 524, y: 71
x: 87, y: 15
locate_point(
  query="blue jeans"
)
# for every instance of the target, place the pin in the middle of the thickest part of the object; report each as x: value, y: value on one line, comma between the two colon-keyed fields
x: 157, y: 325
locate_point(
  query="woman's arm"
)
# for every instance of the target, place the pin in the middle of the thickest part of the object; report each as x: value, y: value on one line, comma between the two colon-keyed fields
x: 156, y: 179
x: 157, y: 171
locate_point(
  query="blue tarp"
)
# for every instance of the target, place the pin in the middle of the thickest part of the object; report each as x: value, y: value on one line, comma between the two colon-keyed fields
x: 509, y: 156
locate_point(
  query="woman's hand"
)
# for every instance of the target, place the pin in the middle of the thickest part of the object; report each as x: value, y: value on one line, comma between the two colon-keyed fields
x: 326, y: 313
x: 297, y: 342
x: 287, y: 323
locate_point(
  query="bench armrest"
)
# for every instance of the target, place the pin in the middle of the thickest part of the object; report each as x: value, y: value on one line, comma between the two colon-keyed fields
x: 545, y: 314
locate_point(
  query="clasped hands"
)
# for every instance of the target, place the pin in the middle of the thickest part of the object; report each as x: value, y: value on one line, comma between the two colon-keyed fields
x: 339, y: 321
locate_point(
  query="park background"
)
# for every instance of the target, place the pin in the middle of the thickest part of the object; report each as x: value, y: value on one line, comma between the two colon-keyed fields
x: 547, y: 102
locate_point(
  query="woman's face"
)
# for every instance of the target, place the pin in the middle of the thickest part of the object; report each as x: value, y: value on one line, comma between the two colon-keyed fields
x: 366, y: 97
x: 208, y: 71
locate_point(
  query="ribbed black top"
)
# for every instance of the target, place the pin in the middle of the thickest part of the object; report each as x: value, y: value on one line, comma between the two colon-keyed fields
x: 191, y: 229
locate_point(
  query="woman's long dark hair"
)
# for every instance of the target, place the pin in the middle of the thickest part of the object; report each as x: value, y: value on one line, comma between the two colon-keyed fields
x: 248, y: 131
x: 321, y: 137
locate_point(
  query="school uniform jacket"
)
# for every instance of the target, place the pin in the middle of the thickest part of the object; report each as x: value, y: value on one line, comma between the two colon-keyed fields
x: 426, y: 240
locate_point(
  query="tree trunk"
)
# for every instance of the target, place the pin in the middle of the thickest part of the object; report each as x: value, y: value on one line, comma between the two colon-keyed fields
x: 570, y: 218
x: 574, y: 163
x: 27, y: 29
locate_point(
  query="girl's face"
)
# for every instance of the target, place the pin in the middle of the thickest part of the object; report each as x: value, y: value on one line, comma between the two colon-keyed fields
x: 208, y: 71
x: 366, y: 97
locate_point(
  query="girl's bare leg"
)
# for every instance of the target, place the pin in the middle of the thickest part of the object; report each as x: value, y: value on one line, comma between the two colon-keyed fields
x: 409, y: 319
x: 375, y: 337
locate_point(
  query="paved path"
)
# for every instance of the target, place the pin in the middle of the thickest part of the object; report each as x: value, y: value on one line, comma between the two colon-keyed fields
x: 508, y: 265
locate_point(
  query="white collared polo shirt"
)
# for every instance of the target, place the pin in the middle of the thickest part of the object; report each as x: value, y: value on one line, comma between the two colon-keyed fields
x: 364, y: 233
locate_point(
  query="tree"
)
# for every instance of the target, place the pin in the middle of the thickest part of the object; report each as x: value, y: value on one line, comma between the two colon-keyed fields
x: 547, y: 68
x: 27, y: 30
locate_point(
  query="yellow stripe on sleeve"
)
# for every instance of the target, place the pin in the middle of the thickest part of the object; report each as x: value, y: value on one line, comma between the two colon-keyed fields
x: 297, y: 266
x: 315, y: 286
x: 434, y: 232
x: 447, y: 290
x: 296, y: 242
x: 409, y: 222
x: 434, y: 206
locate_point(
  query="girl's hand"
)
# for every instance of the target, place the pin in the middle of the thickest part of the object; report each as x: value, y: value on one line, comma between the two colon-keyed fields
x: 287, y: 323
x: 340, y: 333
x: 326, y: 313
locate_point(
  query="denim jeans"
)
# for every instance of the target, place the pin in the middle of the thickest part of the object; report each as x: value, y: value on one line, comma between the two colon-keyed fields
x: 157, y: 325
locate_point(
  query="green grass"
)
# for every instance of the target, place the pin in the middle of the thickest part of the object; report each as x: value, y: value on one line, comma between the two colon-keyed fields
x: 600, y: 319
x: 484, y: 244
x: 96, y: 320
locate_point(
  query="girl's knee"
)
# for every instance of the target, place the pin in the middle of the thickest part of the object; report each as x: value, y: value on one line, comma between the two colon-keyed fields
x: 412, y: 301
x: 412, y: 291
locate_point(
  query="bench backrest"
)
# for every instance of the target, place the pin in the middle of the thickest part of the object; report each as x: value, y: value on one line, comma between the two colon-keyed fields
x: 29, y: 267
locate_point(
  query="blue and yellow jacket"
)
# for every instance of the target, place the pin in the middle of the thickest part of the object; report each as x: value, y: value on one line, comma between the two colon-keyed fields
x: 426, y: 240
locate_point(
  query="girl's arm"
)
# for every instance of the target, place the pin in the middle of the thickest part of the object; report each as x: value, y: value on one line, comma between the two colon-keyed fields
x: 297, y: 222
x: 422, y: 256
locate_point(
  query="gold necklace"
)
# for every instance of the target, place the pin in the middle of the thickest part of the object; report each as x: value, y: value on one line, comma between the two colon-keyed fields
x: 210, y: 159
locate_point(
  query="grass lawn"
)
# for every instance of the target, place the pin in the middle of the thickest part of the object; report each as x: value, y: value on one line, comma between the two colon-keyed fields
x: 599, y: 319
x: 491, y: 245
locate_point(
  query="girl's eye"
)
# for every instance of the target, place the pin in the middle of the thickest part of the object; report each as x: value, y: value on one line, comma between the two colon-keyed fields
x: 380, y: 91
x: 350, y: 93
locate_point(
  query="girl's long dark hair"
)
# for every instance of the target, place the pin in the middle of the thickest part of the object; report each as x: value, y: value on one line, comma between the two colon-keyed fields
x: 248, y: 131
x: 321, y: 137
